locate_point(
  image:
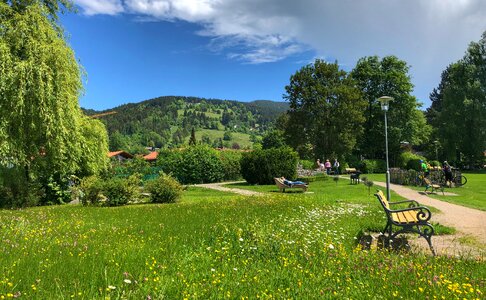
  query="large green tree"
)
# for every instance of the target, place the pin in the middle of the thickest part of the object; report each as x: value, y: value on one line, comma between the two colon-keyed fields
x: 388, y: 77
x: 325, y: 115
x: 42, y: 130
x: 458, y: 110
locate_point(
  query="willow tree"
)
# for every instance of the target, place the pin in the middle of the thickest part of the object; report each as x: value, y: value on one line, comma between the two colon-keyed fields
x: 40, y: 82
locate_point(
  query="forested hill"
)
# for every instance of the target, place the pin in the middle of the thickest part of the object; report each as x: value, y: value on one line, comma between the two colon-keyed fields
x: 168, y: 121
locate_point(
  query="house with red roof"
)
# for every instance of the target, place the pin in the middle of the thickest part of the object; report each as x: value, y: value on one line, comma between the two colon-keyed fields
x: 120, y: 155
x: 151, y: 157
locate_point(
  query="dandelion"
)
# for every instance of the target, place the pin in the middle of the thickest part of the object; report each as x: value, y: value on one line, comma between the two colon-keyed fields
x: 213, y: 270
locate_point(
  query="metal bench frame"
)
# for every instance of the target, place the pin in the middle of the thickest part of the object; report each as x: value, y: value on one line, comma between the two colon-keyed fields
x: 419, y: 223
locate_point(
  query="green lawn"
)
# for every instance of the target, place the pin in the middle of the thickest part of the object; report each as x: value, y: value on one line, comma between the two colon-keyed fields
x: 214, y: 245
x: 472, y: 194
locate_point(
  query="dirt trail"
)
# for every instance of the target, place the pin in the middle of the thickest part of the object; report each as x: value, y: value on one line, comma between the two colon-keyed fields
x: 219, y: 186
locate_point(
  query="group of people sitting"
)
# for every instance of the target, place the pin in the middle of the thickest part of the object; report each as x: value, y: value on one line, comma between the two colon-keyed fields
x: 327, y: 166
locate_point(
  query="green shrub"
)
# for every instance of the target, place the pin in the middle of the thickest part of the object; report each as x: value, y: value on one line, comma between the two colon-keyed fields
x: 373, y: 166
x: 230, y: 161
x: 164, y: 189
x: 119, y: 191
x: 197, y: 164
x: 90, y: 190
x: 15, y: 192
x: 408, y: 160
x: 308, y: 164
x: 261, y: 166
x: 109, y: 192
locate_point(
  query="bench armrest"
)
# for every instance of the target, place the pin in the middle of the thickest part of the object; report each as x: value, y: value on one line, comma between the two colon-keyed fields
x: 413, y: 203
x: 423, y: 213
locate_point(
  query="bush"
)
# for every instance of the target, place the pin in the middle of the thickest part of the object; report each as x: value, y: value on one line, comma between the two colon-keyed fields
x: 110, y: 192
x: 408, y: 160
x: 197, y: 164
x: 308, y: 164
x: 164, y: 189
x: 261, y: 166
x: 230, y: 161
x: 15, y: 191
x: 373, y: 166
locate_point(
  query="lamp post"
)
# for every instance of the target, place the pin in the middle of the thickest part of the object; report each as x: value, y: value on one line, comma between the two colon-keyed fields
x: 385, y: 101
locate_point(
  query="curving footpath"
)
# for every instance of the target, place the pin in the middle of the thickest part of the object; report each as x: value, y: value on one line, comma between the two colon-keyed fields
x: 219, y: 187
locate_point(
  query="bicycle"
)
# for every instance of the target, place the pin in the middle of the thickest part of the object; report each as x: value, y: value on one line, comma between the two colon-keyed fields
x: 457, y: 179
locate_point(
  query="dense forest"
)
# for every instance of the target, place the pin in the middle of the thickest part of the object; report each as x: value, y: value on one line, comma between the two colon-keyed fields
x: 167, y: 122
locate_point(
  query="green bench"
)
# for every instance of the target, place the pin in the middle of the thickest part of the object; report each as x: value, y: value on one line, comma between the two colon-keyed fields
x: 414, y: 219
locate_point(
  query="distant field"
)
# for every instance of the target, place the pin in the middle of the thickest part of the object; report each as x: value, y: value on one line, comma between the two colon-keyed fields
x: 242, y: 139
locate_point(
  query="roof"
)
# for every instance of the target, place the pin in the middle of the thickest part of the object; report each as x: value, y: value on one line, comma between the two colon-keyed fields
x: 121, y: 153
x: 151, y: 156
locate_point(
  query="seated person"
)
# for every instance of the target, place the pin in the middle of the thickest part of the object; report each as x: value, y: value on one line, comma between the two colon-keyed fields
x: 291, y: 183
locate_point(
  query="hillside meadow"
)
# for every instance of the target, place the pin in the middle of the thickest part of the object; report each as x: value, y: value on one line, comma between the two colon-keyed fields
x: 214, y: 245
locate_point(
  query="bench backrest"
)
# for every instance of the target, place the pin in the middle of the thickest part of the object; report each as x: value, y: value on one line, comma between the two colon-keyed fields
x: 427, y: 181
x: 279, y: 181
x: 382, y: 198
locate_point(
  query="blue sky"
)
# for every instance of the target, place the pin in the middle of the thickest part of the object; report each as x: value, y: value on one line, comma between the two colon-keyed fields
x: 133, y: 50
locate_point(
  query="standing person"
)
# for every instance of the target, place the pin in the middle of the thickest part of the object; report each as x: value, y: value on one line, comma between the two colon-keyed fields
x: 336, y: 166
x: 447, y: 173
x: 425, y: 168
x: 327, y: 165
x: 319, y: 164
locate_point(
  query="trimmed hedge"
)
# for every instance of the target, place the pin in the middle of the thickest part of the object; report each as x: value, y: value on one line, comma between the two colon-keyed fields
x: 230, y: 161
x: 410, y: 161
x: 196, y: 164
x: 261, y: 166
x: 373, y: 166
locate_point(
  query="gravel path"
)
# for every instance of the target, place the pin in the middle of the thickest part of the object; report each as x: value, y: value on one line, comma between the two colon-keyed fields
x: 468, y: 222
x: 219, y: 186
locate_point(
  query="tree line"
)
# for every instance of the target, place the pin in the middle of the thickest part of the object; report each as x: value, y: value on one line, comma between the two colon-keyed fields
x: 334, y: 113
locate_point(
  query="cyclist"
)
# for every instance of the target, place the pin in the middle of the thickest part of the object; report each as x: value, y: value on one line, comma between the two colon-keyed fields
x: 425, y: 168
x: 447, y: 173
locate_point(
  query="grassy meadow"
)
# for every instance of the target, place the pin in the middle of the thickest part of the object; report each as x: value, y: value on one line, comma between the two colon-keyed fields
x: 472, y: 194
x: 214, y: 245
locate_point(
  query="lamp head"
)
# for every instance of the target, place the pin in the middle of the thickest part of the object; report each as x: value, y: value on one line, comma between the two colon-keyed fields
x: 385, y: 102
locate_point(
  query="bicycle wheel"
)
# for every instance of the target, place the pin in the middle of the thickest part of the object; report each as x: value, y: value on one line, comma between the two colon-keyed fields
x: 460, y: 180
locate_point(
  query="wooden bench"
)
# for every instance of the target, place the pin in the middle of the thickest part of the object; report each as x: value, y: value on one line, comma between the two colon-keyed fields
x: 432, y: 186
x: 414, y: 219
x: 279, y: 181
x: 350, y: 170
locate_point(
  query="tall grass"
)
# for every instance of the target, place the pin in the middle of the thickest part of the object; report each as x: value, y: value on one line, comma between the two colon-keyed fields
x: 217, y: 245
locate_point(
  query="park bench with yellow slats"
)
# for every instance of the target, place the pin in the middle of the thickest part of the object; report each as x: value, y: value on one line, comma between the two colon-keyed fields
x: 413, y: 219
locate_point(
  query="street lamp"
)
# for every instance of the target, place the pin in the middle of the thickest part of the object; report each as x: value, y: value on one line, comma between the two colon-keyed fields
x: 436, y: 144
x: 385, y: 102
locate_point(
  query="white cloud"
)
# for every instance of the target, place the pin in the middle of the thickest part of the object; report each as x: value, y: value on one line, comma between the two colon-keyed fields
x: 94, y: 7
x: 428, y: 34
